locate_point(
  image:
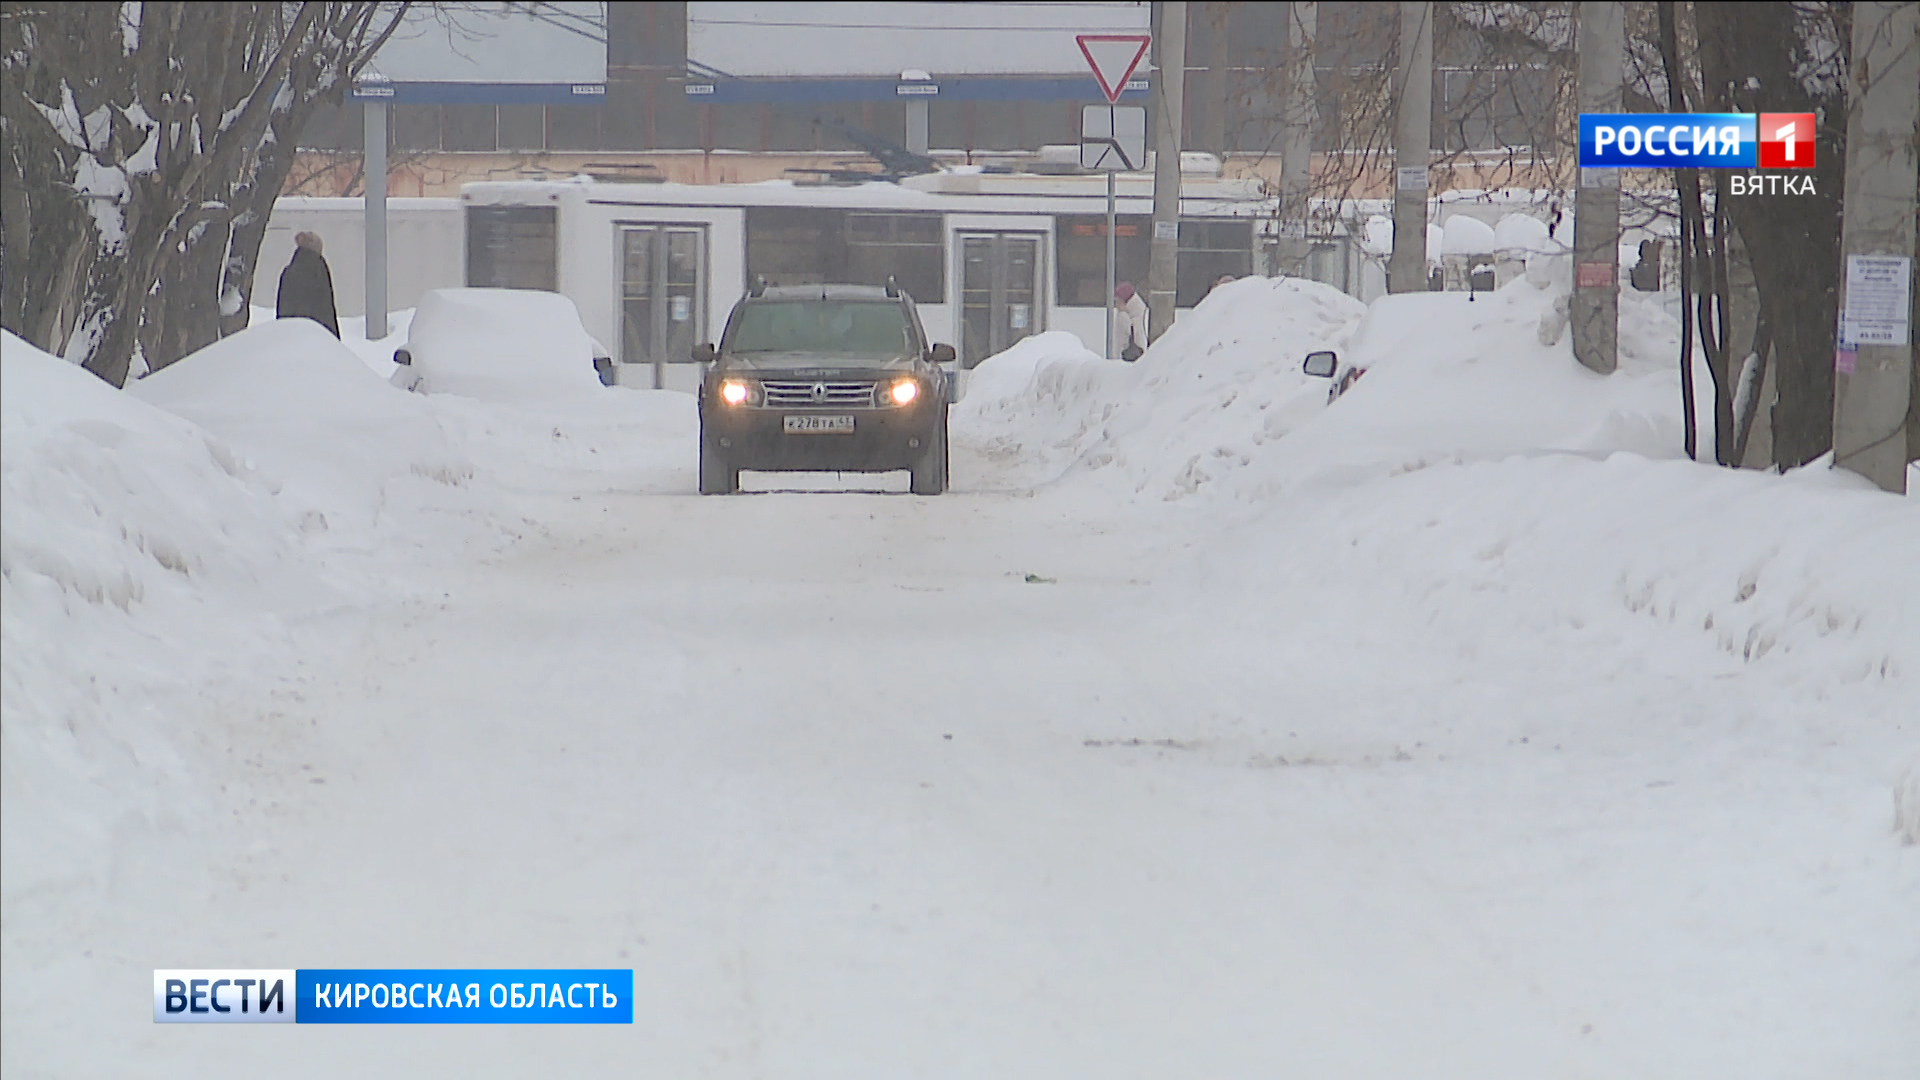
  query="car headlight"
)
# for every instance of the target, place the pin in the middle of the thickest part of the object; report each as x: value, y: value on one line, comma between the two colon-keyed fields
x: 903, y: 391
x: 735, y: 391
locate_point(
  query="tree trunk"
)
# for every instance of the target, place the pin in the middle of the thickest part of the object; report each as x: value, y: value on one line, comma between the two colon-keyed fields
x: 1687, y: 183
x: 135, y: 190
x: 1714, y: 305
x: 254, y: 205
x: 183, y: 313
x: 1750, y: 56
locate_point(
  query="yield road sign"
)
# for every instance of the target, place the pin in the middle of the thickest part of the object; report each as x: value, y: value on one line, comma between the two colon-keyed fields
x: 1113, y: 58
x: 1113, y: 138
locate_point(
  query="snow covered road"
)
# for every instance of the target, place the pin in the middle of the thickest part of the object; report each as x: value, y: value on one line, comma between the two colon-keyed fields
x: 1029, y: 781
x: 852, y: 795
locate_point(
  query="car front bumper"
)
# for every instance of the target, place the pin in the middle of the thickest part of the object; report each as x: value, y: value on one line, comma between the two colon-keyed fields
x: 755, y: 437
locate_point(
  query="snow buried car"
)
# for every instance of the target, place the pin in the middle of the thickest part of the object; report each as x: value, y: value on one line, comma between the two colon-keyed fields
x: 506, y: 345
x: 824, y: 378
x: 1326, y: 364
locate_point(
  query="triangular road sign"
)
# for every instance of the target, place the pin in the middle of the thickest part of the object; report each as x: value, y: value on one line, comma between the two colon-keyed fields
x: 1113, y: 58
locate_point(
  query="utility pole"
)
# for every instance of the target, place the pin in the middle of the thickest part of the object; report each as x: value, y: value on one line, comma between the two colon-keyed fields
x: 1111, y: 283
x: 1873, y: 361
x: 1595, y: 307
x: 1169, y: 99
x: 1413, y: 135
x: 1296, y: 154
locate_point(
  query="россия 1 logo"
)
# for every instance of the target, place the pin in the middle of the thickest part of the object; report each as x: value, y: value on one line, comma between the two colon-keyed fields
x: 1786, y: 140
x: 1696, y: 140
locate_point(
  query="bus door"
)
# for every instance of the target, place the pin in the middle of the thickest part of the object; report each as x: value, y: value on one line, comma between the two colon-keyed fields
x: 663, y: 299
x: 1002, y: 293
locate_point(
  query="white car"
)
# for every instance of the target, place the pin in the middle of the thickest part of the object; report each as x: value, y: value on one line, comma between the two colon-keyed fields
x: 1390, y: 327
x: 1326, y: 364
x: 500, y: 344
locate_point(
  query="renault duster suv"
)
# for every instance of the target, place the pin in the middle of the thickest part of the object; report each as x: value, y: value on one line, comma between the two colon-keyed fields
x: 824, y: 378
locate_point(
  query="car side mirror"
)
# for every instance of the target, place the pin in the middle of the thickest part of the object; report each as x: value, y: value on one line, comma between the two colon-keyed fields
x: 941, y: 354
x: 1321, y: 365
x: 705, y: 352
x: 402, y: 357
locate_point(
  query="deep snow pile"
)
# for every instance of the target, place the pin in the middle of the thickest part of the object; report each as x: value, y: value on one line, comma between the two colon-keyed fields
x: 1811, y: 576
x: 159, y: 541
x: 1475, y: 478
x: 140, y: 557
x: 1461, y: 377
x: 376, y: 353
x: 1223, y: 382
x: 1450, y: 376
x: 309, y: 413
x: 1569, y: 506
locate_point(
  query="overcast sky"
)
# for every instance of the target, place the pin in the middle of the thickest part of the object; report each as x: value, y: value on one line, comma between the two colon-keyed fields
x: 819, y: 39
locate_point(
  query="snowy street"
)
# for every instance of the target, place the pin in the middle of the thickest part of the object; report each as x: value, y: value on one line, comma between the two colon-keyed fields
x: 1128, y: 757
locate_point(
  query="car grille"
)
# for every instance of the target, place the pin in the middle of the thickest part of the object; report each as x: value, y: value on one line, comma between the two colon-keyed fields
x: 810, y: 395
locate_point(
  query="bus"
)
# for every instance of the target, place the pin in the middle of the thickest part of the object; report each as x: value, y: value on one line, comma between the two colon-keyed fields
x: 989, y: 257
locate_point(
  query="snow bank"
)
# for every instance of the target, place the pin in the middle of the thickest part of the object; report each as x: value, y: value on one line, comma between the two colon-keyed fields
x: 107, y: 495
x: 1465, y: 235
x: 1036, y: 403
x: 1541, y: 494
x: 1522, y: 234
x: 1223, y: 382
x: 1004, y: 380
x: 1452, y: 377
x: 137, y: 553
x: 1906, y: 805
x: 502, y: 345
x: 376, y: 353
x: 1457, y: 377
x: 1569, y: 556
x: 308, y: 411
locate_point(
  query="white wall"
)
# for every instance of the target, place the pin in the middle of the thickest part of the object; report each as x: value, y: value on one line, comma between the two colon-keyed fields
x: 426, y: 248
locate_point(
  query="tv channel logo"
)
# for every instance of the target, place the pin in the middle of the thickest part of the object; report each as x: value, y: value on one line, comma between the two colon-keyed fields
x: 1667, y: 141
x: 393, y: 996
x: 1697, y: 140
x: 223, y: 996
x: 1786, y: 140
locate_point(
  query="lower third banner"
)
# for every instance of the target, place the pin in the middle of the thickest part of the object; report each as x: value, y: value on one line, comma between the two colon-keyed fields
x: 461, y: 996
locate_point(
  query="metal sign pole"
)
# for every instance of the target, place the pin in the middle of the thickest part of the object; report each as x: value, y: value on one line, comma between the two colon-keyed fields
x: 1110, y: 281
x: 376, y: 218
x: 1113, y: 58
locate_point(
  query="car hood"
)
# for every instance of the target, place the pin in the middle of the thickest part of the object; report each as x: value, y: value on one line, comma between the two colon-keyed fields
x: 813, y: 365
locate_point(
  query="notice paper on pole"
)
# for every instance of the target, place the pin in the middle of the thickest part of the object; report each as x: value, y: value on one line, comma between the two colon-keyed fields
x: 1876, y: 312
x: 1113, y: 58
x: 1113, y: 138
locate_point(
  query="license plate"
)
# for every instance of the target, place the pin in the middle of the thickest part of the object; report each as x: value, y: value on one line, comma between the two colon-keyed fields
x: 818, y: 425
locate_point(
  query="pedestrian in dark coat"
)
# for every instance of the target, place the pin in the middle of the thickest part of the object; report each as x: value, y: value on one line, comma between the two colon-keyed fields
x: 1646, y: 276
x: 306, y: 286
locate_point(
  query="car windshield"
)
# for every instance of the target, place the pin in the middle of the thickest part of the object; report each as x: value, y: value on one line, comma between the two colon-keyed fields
x: 848, y: 328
